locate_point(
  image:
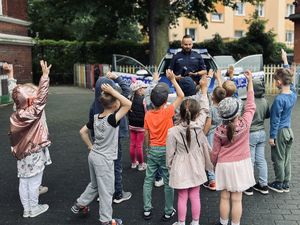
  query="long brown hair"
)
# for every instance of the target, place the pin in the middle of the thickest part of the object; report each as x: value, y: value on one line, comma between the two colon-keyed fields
x: 189, y: 110
x: 230, y: 130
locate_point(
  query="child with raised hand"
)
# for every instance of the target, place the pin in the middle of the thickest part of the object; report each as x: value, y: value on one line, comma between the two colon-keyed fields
x: 258, y: 138
x: 12, y: 83
x: 188, y: 155
x: 231, y: 154
x: 30, y: 140
x: 103, y: 153
x: 281, y: 134
x: 212, y: 122
x: 157, y: 123
x: 136, y: 117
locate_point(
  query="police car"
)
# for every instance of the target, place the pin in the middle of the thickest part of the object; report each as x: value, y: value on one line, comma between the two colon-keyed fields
x: 137, y: 71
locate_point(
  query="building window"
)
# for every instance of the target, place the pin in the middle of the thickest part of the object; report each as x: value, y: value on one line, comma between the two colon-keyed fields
x: 217, y: 17
x: 1, y: 9
x: 191, y: 32
x: 290, y: 9
x: 289, y: 36
x: 238, y: 33
x: 260, y: 10
x: 240, y: 10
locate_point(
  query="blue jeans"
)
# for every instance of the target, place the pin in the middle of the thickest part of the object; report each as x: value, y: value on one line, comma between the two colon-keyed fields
x: 257, y: 148
x: 118, y: 172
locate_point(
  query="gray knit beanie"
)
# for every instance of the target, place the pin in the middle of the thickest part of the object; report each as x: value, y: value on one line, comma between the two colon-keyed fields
x: 228, y: 108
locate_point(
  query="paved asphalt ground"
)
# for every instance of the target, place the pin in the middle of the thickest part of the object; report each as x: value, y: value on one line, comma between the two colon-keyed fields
x: 67, y: 111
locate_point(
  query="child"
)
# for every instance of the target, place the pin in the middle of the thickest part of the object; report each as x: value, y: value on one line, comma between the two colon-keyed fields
x: 231, y: 154
x: 112, y: 79
x: 157, y: 123
x: 281, y: 134
x: 214, y: 121
x: 258, y: 138
x: 30, y: 140
x: 188, y: 155
x: 136, y: 117
x: 158, y: 181
x: 231, y: 91
x: 12, y: 83
x: 230, y: 87
x: 103, y: 153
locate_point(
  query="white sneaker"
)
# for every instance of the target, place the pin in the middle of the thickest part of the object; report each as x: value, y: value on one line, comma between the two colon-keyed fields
x: 159, y: 183
x: 142, y: 167
x: 39, y: 209
x: 134, y: 165
x: 43, y: 190
x: 26, y: 214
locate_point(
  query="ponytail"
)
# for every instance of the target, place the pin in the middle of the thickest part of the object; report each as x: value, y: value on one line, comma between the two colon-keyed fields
x: 188, y: 129
x: 189, y: 111
x: 230, y: 130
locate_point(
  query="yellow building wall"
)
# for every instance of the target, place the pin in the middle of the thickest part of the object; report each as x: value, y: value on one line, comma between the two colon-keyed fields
x: 275, y: 12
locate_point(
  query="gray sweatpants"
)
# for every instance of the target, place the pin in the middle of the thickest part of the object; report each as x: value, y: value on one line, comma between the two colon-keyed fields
x: 102, y: 184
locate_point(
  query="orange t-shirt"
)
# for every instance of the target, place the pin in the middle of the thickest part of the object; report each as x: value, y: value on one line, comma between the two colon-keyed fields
x: 158, y: 122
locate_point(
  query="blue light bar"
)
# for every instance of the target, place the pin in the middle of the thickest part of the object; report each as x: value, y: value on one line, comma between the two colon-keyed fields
x: 198, y: 50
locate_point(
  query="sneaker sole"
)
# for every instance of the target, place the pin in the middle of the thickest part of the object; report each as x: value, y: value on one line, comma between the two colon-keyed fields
x: 248, y: 193
x: 47, y: 207
x: 26, y: 216
x: 149, y: 217
x: 118, y: 201
x: 260, y: 191
x: 286, y: 190
x: 276, y: 190
x: 165, y: 219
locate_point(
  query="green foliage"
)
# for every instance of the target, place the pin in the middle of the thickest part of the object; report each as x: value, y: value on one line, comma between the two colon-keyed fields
x: 64, y: 54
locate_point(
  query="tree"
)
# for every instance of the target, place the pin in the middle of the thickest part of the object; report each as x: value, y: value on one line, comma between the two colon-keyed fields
x: 161, y: 14
x: 101, y: 20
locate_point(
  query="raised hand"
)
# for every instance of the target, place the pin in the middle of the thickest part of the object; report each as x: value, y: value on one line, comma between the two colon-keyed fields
x: 9, y: 69
x: 155, y: 76
x: 210, y: 73
x: 107, y: 88
x: 203, y: 82
x: 284, y: 57
x: 111, y: 75
x: 170, y: 75
x: 248, y: 75
x: 45, y: 67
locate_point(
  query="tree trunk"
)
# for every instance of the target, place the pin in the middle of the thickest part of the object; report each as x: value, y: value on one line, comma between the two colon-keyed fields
x: 158, y: 29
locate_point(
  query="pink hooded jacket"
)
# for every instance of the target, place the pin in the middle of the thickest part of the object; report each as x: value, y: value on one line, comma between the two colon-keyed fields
x: 28, y: 128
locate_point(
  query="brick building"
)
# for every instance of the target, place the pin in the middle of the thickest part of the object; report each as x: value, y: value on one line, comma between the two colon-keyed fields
x: 15, y: 45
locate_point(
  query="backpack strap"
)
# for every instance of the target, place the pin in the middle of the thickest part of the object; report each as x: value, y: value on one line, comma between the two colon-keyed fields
x: 197, y: 137
x: 184, y: 143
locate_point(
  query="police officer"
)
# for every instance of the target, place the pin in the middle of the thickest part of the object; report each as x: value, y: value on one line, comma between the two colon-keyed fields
x: 188, y: 62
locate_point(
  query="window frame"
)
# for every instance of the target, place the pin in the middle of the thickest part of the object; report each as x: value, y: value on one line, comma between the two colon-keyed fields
x: 187, y: 31
x: 288, y: 9
x: 238, y: 31
x: 291, y: 34
x: 260, y: 7
x: 243, y: 9
x: 1, y: 8
x: 217, y: 20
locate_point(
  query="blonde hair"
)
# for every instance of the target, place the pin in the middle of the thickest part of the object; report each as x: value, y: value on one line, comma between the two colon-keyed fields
x: 229, y: 87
